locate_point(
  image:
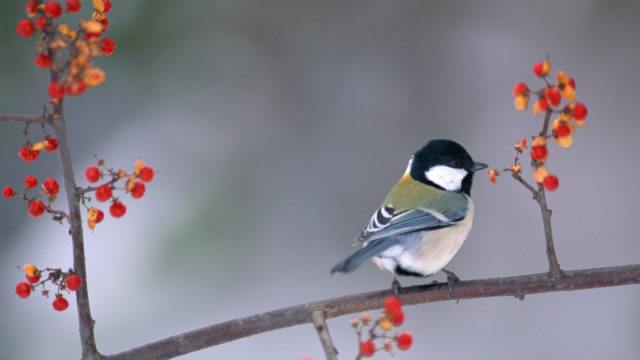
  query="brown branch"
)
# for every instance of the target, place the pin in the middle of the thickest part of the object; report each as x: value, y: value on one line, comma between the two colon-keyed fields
x: 517, y: 286
x: 24, y: 118
x: 524, y: 183
x: 320, y: 323
x: 85, y: 320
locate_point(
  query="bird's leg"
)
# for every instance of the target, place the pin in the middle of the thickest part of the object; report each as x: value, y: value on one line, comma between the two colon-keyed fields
x: 395, y: 286
x: 452, y: 279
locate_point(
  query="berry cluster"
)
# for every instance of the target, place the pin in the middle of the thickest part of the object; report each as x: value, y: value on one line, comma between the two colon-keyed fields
x: 132, y: 183
x: 42, y: 201
x: 63, y: 281
x: 549, y: 100
x: 391, y: 317
x: 65, y: 51
x: 31, y: 151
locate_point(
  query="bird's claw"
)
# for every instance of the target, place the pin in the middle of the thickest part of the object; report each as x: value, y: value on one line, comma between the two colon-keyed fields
x: 452, y: 279
x: 396, y: 287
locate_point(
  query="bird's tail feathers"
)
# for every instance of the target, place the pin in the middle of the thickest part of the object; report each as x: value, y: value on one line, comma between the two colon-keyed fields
x: 372, y: 249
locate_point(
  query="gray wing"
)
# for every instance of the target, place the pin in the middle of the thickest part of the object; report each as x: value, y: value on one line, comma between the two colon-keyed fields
x: 386, y: 222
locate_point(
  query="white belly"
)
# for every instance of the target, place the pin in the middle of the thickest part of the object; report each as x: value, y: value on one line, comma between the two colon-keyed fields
x: 429, y: 251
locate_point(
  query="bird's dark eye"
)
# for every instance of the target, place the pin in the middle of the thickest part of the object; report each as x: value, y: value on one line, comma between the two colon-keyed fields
x: 454, y: 163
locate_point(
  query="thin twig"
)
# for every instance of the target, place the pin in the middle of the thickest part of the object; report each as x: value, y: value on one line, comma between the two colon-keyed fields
x: 516, y: 286
x: 319, y: 322
x: 23, y: 118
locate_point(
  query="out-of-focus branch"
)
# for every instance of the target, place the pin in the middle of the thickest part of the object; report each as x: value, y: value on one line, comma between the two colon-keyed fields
x: 23, y: 118
x: 320, y: 323
x: 517, y: 286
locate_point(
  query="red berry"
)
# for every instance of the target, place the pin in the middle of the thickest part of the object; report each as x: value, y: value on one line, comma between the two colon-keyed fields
x: 8, y: 192
x: 138, y: 189
x: 41, y: 22
x: 107, y: 5
x: 99, y: 216
x: 563, y: 130
x: 36, y: 208
x: 551, y: 182
x: 404, y: 340
x: 25, y: 28
x: 74, y: 282
x: 392, y: 304
x: 42, y: 61
x: 367, y: 348
x: 60, y: 303
x: 520, y: 89
x: 108, y: 46
x: 73, y: 6
x: 539, y: 153
x: 544, y: 105
x: 103, y: 192
x: 572, y: 83
x: 105, y: 24
x: 553, y: 96
x: 56, y: 90
x: 31, y: 7
x: 92, y: 174
x: 51, y: 187
x: 117, y: 209
x: 538, y: 69
x: 53, y: 9
x: 146, y: 174
x: 579, y: 111
x: 76, y: 88
x: 27, y: 154
x: 23, y: 290
x: 397, y: 318
x: 30, y: 182
x: 34, y: 279
x: 52, y: 144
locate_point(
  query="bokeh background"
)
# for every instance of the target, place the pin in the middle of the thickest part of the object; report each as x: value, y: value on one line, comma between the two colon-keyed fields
x: 276, y: 128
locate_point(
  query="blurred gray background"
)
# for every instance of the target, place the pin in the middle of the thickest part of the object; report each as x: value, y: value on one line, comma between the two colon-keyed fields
x: 277, y: 127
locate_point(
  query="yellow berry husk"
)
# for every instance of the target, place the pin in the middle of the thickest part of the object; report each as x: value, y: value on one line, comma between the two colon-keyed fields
x: 568, y: 93
x: 386, y: 324
x: 516, y: 168
x: 521, y: 102
x: 30, y: 270
x: 138, y: 166
x: 39, y: 145
x: 92, y: 26
x: 91, y: 224
x: 94, y: 77
x: 540, y: 174
x: 546, y: 66
x: 98, y: 5
x: 539, y: 141
x: 388, y: 346
x: 565, y: 141
x: 354, y: 323
x: 536, y: 109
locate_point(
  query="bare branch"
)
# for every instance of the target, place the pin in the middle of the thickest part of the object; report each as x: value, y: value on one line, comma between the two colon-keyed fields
x: 319, y: 322
x: 23, y: 118
x: 517, y: 286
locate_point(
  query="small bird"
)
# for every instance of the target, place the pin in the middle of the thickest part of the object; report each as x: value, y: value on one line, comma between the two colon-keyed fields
x: 424, y: 219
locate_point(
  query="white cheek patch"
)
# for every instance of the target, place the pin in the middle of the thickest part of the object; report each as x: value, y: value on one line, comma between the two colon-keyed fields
x: 448, y: 178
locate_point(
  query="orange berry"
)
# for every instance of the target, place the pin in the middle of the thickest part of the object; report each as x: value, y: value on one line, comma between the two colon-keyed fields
x: 579, y: 111
x: 553, y: 96
x: 103, y: 192
x: 146, y: 174
x: 117, y: 209
x: 25, y: 28
x: 30, y: 182
x: 8, y: 192
x: 53, y: 9
x: 539, y: 153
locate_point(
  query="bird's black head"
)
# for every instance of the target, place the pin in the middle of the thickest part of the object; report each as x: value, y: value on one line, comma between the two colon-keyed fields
x: 444, y: 164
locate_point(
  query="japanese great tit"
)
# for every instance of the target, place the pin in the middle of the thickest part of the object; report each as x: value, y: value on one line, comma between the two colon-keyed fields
x: 424, y: 219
